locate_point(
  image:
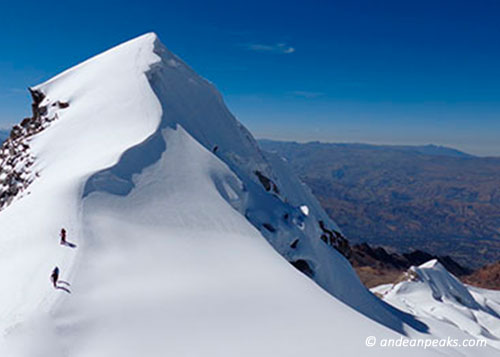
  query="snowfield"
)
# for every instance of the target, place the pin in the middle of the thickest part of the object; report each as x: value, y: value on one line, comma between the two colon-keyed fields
x: 184, y: 233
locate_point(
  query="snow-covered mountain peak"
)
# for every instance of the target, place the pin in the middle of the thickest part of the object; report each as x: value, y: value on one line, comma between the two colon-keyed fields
x: 137, y: 52
x: 174, y: 213
x: 430, y: 291
x: 432, y: 264
x: 442, y: 284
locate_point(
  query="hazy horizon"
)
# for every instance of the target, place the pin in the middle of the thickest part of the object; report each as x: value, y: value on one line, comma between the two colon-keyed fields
x: 417, y: 144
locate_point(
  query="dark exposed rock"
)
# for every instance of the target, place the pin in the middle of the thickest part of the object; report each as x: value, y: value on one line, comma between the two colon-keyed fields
x: 267, y: 182
x: 15, y: 157
x: 366, y: 255
x: 37, y: 96
x: 335, y: 239
x: 304, y: 267
x: 376, y: 266
x: 25, y: 123
x: 453, y: 267
x: 269, y: 227
x: 294, y: 244
x: 16, y: 132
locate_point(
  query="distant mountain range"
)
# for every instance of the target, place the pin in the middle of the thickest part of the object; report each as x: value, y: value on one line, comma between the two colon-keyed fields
x: 433, y: 198
x: 376, y: 266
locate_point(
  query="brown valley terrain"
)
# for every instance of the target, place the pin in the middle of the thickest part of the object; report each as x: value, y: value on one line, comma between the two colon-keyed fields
x: 405, y: 198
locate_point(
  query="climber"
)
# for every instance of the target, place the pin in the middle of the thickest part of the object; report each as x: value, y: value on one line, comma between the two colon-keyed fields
x: 63, y: 236
x: 54, y: 277
x: 63, y: 239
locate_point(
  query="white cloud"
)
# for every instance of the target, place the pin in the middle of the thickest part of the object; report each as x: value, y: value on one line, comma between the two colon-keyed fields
x: 307, y: 94
x: 273, y: 48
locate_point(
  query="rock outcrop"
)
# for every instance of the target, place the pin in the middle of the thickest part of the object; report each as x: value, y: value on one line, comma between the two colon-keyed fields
x: 16, y: 160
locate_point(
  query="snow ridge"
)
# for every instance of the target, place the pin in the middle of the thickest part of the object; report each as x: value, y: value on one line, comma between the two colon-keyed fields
x: 444, y: 285
x: 274, y: 210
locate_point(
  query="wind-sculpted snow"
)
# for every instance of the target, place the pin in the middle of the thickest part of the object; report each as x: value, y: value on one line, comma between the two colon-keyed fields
x: 443, y: 285
x: 193, y: 103
x: 431, y: 291
x: 174, y: 211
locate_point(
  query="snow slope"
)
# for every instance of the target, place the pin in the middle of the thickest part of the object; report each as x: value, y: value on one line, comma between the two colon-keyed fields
x: 174, y: 211
x: 432, y: 292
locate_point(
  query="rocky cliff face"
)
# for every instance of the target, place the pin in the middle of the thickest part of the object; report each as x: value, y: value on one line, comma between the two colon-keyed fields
x: 16, y: 158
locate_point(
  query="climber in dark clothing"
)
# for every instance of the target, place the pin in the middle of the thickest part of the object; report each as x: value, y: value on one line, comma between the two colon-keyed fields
x: 63, y: 239
x: 63, y: 236
x: 54, y: 277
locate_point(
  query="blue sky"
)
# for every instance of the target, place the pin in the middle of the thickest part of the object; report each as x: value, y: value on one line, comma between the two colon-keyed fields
x: 400, y: 72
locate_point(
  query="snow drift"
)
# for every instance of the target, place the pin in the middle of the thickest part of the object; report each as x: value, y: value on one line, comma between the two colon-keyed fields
x: 431, y: 291
x: 169, y: 199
